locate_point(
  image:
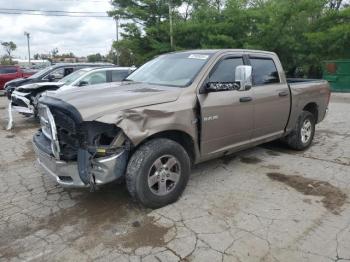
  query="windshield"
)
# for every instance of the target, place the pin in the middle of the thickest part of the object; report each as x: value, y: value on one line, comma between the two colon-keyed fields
x: 178, y: 69
x: 41, y: 72
x: 72, y: 77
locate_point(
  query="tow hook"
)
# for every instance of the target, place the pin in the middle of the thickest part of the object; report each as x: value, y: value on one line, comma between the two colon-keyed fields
x: 93, y: 185
x: 84, y: 168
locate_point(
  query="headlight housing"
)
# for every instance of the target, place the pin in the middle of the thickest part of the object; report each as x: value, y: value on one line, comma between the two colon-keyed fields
x: 102, y: 139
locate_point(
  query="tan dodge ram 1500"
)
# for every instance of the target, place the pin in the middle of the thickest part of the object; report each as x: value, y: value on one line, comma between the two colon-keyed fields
x: 177, y: 110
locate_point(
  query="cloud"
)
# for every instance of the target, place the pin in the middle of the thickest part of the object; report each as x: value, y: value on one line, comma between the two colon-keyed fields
x: 82, y: 36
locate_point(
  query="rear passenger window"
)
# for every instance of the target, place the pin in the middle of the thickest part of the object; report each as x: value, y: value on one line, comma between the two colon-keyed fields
x: 119, y: 75
x: 8, y: 70
x: 225, y: 71
x: 264, y: 71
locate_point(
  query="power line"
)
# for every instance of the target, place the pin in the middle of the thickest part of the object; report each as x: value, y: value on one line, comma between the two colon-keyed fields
x: 50, y: 11
x: 86, y: 1
x: 42, y: 14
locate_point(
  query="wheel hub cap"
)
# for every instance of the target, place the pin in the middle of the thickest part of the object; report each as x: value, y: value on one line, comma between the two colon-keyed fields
x: 306, y: 131
x: 164, y: 175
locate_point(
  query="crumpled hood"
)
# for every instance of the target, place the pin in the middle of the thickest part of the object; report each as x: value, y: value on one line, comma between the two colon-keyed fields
x: 18, y: 82
x: 34, y: 86
x: 95, y: 102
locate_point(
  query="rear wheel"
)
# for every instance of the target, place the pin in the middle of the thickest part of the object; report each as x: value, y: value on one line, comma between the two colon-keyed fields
x: 302, y: 135
x: 158, y: 172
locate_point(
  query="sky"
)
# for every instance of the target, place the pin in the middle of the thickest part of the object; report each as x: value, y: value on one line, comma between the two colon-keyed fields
x: 81, y: 36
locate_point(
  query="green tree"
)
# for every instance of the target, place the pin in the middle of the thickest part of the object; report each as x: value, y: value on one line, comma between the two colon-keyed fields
x: 9, y: 47
x: 302, y: 32
x: 95, y: 58
x: 330, y: 35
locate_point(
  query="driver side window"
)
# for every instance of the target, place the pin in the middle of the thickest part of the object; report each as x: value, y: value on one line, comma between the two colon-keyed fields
x: 56, y: 74
x: 95, y: 78
x: 225, y: 70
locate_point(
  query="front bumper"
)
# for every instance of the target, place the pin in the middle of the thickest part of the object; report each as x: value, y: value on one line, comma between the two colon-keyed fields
x: 21, y: 104
x: 66, y: 173
x: 9, y: 90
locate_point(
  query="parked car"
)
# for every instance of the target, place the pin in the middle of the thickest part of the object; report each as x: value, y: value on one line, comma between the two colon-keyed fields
x: 25, y: 98
x: 49, y: 74
x: 8, y: 73
x: 175, y: 111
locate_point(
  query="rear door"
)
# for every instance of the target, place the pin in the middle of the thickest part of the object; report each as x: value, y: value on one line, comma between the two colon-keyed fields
x: 226, y: 122
x: 271, y: 98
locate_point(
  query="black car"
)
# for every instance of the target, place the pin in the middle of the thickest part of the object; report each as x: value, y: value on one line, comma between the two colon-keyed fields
x: 49, y: 74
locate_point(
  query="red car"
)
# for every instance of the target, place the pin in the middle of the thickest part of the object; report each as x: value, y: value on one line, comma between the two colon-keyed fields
x: 8, y: 73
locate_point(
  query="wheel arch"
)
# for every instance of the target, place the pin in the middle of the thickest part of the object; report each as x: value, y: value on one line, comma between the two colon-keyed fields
x: 312, y: 107
x: 181, y: 137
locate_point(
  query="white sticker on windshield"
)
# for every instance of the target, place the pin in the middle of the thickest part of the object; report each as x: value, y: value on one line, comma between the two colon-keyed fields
x: 198, y: 56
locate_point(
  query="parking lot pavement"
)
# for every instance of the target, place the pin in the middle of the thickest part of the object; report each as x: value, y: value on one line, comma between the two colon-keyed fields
x: 264, y: 204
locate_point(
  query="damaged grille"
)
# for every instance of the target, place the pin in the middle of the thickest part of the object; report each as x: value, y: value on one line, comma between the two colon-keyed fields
x: 48, y: 128
x: 61, y: 130
x: 67, y: 133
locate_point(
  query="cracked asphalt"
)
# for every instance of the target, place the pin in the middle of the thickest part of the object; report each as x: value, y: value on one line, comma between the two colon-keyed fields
x: 263, y: 204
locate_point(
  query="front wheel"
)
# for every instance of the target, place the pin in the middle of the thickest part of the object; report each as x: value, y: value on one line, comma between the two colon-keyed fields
x: 302, y: 135
x: 158, y: 172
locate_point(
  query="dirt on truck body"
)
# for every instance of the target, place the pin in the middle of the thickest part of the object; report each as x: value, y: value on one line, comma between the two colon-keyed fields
x: 177, y: 110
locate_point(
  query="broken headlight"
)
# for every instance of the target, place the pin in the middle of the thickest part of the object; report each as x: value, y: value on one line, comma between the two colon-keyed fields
x: 102, y: 139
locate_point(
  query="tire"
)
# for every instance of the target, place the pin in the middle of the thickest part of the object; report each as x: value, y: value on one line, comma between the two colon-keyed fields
x: 156, y: 161
x: 296, y: 140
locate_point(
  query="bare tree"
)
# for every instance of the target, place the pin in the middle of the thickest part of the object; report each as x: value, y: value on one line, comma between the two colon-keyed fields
x: 54, y: 52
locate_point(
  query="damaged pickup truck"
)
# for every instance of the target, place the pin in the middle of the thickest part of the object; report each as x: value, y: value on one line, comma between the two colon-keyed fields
x: 177, y: 110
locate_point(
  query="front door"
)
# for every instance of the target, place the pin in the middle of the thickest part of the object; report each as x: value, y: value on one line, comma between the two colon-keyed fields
x: 226, y: 118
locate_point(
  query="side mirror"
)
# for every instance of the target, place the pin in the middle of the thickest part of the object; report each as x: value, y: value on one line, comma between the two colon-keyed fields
x: 51, y: 78
x: 243, y: 77
x: 83, y: 83
x: 220, y: 86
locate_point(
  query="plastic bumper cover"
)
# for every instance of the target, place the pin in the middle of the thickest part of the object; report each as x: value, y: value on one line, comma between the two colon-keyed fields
x: 21, y: 104
x: 24, y: 108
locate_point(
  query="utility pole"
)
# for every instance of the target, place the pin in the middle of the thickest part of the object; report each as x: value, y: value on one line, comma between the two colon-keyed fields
x: 117, y: 37
x: 171, y: 26
x: 28, y: 36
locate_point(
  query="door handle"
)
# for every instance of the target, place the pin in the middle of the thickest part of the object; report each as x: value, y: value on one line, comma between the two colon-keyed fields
x: 245, y: 99
x: 283, y: 93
